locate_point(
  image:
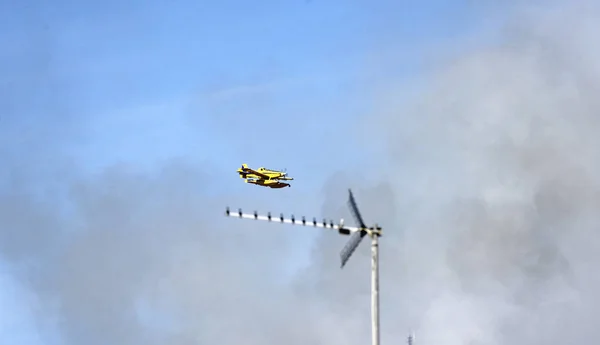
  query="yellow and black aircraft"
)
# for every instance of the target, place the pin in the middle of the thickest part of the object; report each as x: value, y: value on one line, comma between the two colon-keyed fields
x: 264, y: 177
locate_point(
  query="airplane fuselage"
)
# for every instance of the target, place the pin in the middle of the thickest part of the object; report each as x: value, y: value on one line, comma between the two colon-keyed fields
x: 264, y: 177
x: 271, y: 175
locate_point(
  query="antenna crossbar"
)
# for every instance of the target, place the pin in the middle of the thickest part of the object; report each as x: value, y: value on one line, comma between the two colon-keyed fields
x: 325, y: 224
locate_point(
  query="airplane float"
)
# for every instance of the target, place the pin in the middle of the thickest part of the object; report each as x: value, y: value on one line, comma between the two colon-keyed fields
x: 264, y: 177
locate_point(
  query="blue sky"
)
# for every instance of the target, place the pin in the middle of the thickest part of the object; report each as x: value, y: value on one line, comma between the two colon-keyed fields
x: 215, y: 83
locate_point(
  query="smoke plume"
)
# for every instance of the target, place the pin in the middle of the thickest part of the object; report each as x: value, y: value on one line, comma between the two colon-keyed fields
x: 490, y: 220
x: 499, y: 162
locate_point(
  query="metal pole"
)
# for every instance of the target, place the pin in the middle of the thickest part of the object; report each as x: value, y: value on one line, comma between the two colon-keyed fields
x: 375, y: 288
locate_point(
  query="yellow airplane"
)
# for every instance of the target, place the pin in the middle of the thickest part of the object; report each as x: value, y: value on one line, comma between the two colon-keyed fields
x: 264, y: 177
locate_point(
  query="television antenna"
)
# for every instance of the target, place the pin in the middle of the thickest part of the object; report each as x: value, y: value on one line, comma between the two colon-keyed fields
x: 357, y: 234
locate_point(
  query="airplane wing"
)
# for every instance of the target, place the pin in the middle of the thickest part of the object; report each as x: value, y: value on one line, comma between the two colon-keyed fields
x: 254, y: 172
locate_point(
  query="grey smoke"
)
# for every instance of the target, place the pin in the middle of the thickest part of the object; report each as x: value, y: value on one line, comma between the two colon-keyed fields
x: 490, y: 219
x: 501, y: 153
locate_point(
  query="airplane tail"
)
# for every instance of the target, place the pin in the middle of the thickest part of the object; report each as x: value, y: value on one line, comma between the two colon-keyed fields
x: 242, y: 169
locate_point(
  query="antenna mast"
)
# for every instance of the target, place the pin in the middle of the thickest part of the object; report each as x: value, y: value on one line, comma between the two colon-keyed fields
x: 411, y: 339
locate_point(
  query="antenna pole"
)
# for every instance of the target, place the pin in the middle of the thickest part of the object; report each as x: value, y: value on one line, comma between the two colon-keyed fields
x: 375, y: 288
